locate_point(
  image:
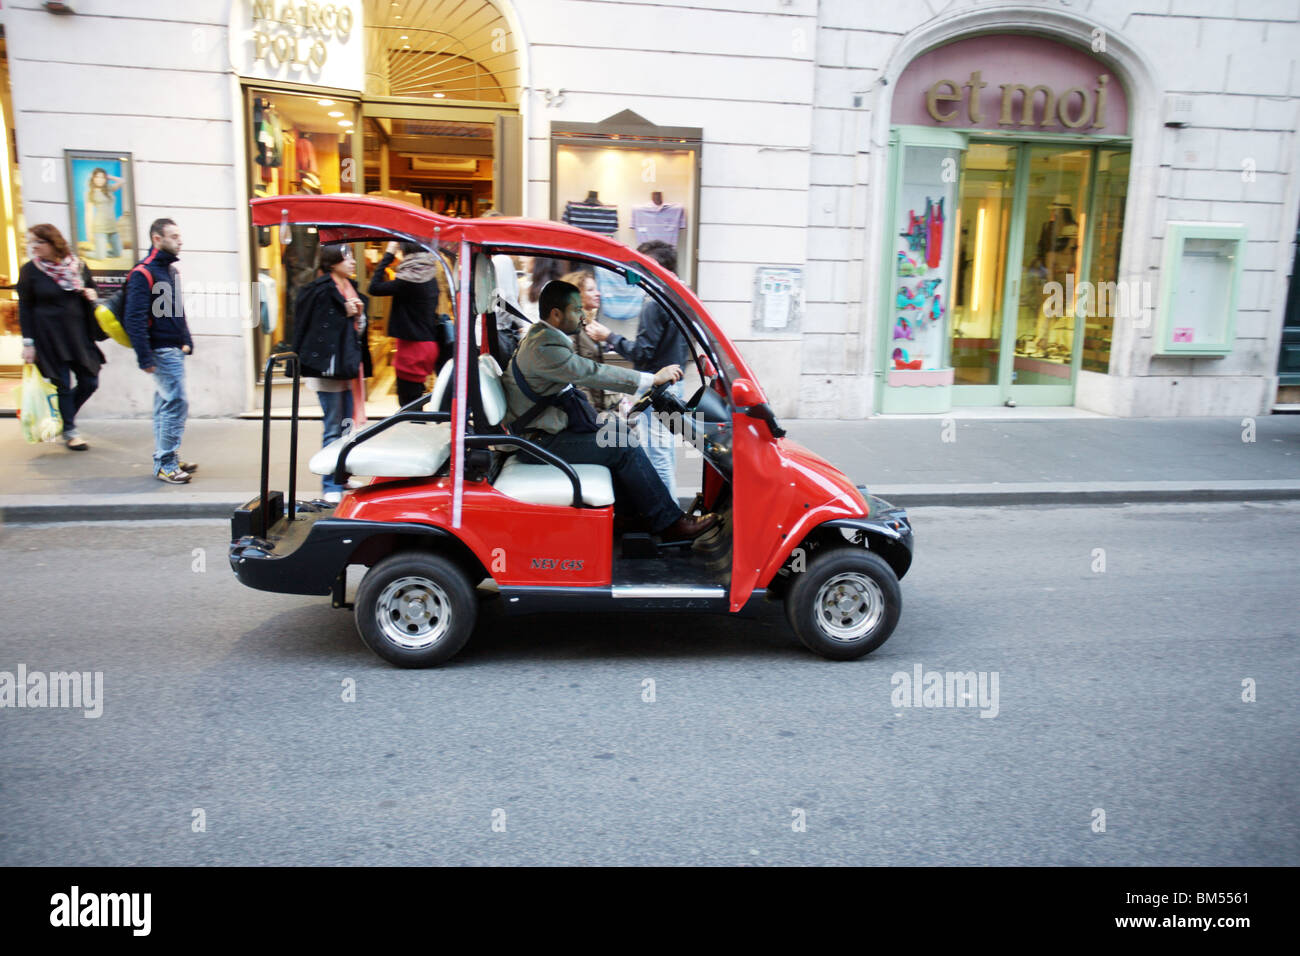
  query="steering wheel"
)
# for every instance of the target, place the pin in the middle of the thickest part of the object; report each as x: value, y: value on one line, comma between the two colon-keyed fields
x: 645, y: 401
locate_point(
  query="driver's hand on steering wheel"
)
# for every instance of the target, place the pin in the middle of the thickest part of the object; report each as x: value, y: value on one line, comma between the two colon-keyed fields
x: 668, y: 374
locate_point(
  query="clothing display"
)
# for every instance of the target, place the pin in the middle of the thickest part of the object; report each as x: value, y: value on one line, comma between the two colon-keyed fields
x: 592, y: 216
x: 663, y: 222
x: 618, y: 300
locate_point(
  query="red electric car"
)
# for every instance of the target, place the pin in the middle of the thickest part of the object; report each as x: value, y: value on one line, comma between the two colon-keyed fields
x: 458, y: 509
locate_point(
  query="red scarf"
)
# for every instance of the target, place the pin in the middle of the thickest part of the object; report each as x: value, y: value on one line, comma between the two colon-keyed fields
x: 66, y: 273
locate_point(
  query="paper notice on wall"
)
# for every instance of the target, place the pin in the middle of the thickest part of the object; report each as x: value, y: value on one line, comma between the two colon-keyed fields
x: 778, y: 295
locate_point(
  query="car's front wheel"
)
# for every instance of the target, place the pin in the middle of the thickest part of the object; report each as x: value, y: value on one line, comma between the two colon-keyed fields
x: 415, y: 609
x: 845, y: 605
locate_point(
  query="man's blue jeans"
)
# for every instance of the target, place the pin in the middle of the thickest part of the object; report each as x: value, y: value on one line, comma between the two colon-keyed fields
x: 660, y: 445
x: 337, y: 407
x: 170, y: 407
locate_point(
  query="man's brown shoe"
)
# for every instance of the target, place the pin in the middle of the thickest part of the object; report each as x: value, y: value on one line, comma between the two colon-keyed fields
x: 686, y: 527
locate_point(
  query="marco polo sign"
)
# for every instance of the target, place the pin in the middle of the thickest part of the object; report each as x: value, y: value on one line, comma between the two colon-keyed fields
x: 1013, y: 83
x: 298, y: 42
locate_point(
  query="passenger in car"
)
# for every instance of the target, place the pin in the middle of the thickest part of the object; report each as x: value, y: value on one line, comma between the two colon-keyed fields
x: 548, y: 362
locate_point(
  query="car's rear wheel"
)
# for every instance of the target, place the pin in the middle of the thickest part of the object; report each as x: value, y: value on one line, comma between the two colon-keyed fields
x: 845, y: 605
x: 415, y: 609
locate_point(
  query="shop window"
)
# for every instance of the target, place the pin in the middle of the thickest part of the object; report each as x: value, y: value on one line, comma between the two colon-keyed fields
x: 12, y: 230
x: 297, y: 144
x: 1108, y: 224
x: 630, y: 180
x: 921, y: 296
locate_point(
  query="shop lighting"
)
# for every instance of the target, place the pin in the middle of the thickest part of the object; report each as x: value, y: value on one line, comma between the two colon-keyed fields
x: 979, y: 261
x: 403, y: 37
x: 336, y: 113
x: 439, y: 96
x: 324, y: 102
x: 345, y: 123
x: 6, y: 198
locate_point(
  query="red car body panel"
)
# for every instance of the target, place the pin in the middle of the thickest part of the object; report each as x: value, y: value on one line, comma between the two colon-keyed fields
x: 520, y: 544
x: 360, y: 216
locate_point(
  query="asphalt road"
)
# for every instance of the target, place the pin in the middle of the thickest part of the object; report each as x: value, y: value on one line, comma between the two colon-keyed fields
x: 1118, y: 690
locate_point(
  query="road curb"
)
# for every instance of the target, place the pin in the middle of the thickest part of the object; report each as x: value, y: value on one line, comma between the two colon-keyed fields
x: 18, y: 509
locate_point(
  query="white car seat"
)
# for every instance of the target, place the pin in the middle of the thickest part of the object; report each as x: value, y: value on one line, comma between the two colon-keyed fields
x: 538, y: 484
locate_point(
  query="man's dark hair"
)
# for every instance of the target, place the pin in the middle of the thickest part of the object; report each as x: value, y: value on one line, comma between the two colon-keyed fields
x: 556, y: 295
x: 331, y: 255
x: 411, y: 248
x: 157, y: 227
x: 660, y: 252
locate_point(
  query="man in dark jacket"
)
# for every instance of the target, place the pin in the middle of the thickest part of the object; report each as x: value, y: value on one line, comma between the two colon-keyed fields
x: 155, y: 321
x: 658, y: 343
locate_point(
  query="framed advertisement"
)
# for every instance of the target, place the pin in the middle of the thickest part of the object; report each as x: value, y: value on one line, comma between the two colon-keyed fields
x: 101, y: 202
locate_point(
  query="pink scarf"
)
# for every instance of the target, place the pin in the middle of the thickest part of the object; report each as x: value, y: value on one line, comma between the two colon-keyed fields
x: 66, y: 273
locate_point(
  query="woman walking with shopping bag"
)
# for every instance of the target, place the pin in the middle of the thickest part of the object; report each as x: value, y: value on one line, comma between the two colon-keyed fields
x: 56, y: 297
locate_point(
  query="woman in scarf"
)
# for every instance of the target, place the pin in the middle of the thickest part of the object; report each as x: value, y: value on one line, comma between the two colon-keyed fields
x: 56, y: 296
x: 423, y: 337
x: 329, y: 338
x: 585, y: 280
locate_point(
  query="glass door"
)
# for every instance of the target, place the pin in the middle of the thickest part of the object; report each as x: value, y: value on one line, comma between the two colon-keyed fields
x: 1050, y: 247
x: 981, y: 228
x: 1020, y: 310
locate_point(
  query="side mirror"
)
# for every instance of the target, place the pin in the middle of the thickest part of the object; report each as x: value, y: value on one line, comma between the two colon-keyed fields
x: 743, y: 393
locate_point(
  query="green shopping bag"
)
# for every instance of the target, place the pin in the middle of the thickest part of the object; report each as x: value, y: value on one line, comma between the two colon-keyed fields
x: 39, y: 409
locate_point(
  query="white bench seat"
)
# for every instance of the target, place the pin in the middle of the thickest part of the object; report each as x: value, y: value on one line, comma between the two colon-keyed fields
x: 406, y: 450
x: 547, y: 485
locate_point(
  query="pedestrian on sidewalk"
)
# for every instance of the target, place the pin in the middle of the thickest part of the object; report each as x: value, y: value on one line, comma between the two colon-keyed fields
x: 56, y: 296
x: 330, y: 341
x: 155, y: 321
x: 658, y: 343
x: 423, y: 337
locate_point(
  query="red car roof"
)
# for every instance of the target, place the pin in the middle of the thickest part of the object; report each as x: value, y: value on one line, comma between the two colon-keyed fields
x: 357, y: 215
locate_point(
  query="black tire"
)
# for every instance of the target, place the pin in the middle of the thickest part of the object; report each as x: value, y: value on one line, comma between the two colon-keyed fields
x: 870, y: 596
x: 415, y: 609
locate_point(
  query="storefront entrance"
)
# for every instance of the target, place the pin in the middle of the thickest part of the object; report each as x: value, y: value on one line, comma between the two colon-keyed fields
x: 1008, y: 181
x: 1022, y: 254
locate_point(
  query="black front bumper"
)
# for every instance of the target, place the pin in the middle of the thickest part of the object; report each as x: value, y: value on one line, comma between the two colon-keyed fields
x: 887, y: 528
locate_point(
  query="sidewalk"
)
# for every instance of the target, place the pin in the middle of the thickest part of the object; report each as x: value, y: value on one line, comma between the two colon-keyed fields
x: 910, y: 461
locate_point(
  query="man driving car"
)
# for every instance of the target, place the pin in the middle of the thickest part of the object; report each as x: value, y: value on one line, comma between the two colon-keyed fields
x: 547, y: 361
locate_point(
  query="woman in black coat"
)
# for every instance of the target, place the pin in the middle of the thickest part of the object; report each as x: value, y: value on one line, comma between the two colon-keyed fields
x: 329, y: 337
x: 56, y: 297
x: 423, y: 337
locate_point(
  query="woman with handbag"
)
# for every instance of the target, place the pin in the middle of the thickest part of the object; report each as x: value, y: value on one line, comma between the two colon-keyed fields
x: 56, y: 301
x: 329, y: 337
x: 423, y: 336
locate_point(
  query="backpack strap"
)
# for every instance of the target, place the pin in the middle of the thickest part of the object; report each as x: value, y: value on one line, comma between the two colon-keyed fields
x: 540, y: 402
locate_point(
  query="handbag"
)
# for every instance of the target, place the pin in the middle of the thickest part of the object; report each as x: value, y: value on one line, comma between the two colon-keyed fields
x: 582, y: 417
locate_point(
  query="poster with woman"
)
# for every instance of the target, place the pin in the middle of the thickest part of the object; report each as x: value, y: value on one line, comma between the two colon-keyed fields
x: 101, y: 198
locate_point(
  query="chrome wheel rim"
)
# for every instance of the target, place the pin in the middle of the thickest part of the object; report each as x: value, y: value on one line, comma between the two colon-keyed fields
x: 849, y: 605
x: 413, y: 613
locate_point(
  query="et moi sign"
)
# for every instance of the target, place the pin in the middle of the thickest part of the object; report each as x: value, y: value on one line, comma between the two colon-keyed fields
x: 1013, y: 83
x: 316, y: 43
